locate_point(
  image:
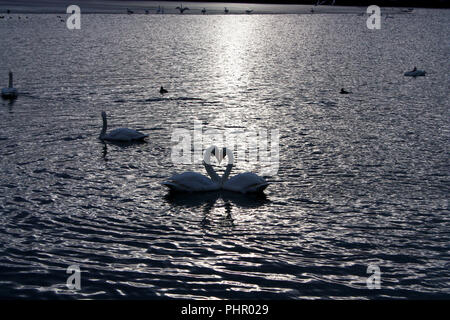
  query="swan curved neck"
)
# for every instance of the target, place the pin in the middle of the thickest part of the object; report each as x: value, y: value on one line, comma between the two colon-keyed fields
x: 211, y: 172
x: 105, y: 125
x: 207, y: 163
x: 230, y: 157
x: 227, y: 173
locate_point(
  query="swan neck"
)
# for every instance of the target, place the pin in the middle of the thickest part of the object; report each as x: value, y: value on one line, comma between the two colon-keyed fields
x: 10, y: 84
x: 230, y: 157
x: 211, y: 172
x: 227, y: 173
x: 105, y: 125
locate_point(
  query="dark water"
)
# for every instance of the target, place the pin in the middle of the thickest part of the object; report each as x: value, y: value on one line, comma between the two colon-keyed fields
x: 363, y: 178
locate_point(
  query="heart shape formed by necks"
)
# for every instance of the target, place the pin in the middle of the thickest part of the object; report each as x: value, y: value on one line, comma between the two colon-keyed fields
x: 220, y: 154
x: 212, y: 150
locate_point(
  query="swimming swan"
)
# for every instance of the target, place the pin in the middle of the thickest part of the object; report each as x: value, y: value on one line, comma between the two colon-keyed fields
x: 121, y: 134
x: 196, y: 182
x: 415, y: 73
x: 10, y: 92
x: 247, y: 182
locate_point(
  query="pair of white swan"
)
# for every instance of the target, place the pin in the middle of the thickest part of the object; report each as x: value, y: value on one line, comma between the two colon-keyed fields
x: 247, y: 182
x: 121, y: 134
x: 10, y: 92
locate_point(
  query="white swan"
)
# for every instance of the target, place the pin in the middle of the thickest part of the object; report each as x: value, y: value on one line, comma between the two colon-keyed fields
x: 415, y: 73
x: 10, y: 92
x: 196, y: 182
x: 121, y: 134
x: 247, y: 182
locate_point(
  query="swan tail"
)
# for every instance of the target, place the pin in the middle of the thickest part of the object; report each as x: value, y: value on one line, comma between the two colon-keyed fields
x: 174, y: 187
x: 259, y: 188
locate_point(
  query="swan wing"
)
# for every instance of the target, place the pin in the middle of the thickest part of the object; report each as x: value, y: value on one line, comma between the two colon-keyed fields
x: 247, y: 182
x: 190, y: 182
x: 124, y: 134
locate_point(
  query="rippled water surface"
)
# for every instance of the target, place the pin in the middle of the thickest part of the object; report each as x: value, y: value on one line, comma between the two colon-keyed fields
x: 363, y: 178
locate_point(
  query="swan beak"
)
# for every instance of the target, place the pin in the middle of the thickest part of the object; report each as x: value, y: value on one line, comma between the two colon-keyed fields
x: 222, y: 154
x: 218, y: 154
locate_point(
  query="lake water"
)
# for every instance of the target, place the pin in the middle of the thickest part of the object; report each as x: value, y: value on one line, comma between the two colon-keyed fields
x: 363, y: 178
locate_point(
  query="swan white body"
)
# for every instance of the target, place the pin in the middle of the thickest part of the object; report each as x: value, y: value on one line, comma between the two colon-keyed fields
x: 191, y: 182
x: 247, y: 182
x: 416, y: 73
x: 196, y: 182
x: 121, y: 134
x: 10, y: 92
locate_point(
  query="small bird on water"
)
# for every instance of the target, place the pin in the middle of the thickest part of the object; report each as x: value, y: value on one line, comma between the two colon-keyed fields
x: 162, y: 90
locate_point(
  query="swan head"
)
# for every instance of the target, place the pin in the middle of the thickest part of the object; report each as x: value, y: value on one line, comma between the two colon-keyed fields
x: 212, y: 150
x: 227, y: 153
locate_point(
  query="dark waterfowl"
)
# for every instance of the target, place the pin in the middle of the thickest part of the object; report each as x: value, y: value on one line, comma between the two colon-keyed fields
x: 162, y: 90
x: 182, y: 9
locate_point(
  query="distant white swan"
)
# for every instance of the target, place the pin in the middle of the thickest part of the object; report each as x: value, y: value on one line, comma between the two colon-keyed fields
x: 196, y: 182
x: 247, y: 182
x: 121, y: 134
x: 415, y: 73
x: 10, y: 92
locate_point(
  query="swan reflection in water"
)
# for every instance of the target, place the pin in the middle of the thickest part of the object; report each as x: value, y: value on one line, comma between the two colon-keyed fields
x: 209, y: 200
x: 120, y: 144
x: 10, y: 104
